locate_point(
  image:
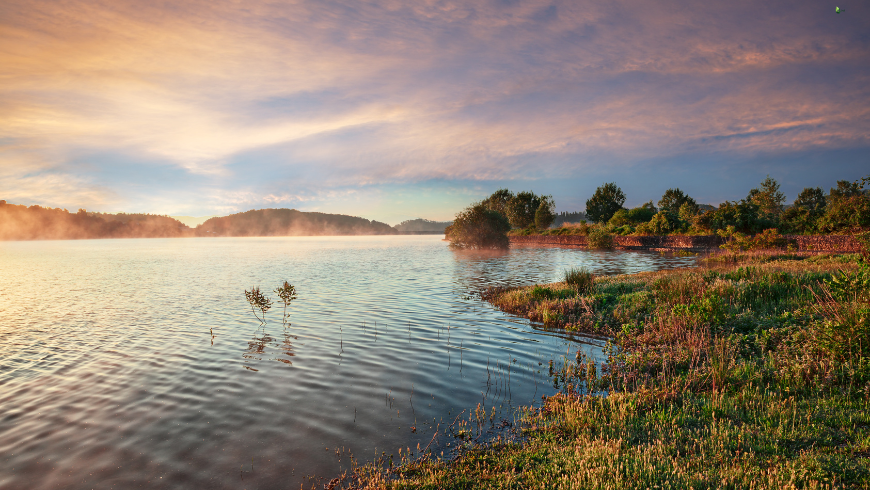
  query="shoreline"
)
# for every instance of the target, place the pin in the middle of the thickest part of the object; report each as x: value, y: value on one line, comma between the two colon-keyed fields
x: 694, y: 243
x: 739, y: 373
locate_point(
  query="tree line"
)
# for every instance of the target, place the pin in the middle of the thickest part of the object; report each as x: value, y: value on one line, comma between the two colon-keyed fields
x: 844, y: 209
x: 35, y: 222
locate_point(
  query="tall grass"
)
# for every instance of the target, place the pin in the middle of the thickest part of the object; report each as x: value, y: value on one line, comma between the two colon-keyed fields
x: 580, y: 278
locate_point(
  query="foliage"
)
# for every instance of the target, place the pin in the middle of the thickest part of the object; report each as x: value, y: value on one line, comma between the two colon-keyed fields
x: 642, y: 213
x: 607, y: 200
x: 477, y: 227
x: 687, y: 213
x: 846, y: 214
x: 521, y: 209
x: 619, y: 218
x: 599, y: 238
x: 546, y: 213
x: 259, y: 301
x: 845, y: 190
x: 738, y: 242
x: 811, y: 199
x: 744, y: 216
x: 664, y: 222
x: 498, y: 201
x: 768, y: 197
x: 673, y: 200
x: 581, y: 279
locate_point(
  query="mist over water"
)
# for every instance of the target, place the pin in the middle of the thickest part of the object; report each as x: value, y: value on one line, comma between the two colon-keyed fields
x: 110, y: 375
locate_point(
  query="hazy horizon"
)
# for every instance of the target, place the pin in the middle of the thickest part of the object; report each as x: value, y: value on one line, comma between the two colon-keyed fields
x: 393, y: 111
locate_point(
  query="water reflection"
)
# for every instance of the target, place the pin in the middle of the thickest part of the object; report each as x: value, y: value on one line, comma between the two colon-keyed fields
x: 261, y: 340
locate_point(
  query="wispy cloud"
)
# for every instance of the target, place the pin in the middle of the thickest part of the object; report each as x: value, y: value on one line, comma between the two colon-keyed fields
x: 304, y: 98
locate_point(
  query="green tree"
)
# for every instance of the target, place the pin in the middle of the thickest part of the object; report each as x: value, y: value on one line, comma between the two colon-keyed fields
x: 768, y: 198
x: 607, y: 200
x: 498, y: 201
x: 846, y: 214
x: 521, y: 209
x: 811, y: 199
x: 744, y: 216
x: 673, y: 199
x: 845, y: 189
x: 479, y: 227
x: 546, y: 213
x: 687, y: 213
x: 804, y: 215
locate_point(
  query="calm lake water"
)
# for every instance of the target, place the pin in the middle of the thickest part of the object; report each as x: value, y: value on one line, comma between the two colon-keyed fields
x: 110, y: 376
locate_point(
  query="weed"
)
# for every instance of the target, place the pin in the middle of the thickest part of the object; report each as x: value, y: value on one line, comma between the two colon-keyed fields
x: 580, y: 279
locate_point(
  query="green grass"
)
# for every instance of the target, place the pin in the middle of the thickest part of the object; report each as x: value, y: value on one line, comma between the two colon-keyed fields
x: 747, y: 373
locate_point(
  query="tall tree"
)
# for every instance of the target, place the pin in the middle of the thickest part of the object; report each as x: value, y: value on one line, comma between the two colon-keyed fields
x: 607, y: 200
x: 521, y: 209
x: 673, y: 199
x: 811, y: 199
x: 768, y: 198
x: 845, y: 189
x: 546, y: 213
x: 499, y: 201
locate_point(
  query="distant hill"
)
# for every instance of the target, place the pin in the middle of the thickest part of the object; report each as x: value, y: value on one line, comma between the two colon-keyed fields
x: 19, y: 222
x: 422, y: 225
x: 290, y: 222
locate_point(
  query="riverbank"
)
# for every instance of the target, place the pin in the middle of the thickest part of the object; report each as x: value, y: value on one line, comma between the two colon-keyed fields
x: 750, y: 372
x: 693, y: 243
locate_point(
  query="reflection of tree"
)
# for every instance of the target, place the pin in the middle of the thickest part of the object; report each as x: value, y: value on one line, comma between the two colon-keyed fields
x: 260, y: 342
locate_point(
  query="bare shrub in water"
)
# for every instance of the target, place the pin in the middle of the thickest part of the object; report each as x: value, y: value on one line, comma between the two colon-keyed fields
x: 259, y: 301
x: 287, y: 293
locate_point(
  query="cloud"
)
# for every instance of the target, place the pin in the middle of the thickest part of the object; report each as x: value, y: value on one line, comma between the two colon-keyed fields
x: 257, y: 97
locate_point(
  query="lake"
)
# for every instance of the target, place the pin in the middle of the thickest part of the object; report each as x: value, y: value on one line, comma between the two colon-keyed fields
x: 138, y: 363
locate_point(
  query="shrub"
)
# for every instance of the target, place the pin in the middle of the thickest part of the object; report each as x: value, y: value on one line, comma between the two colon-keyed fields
x: 846, y: 213
x: 599, y: 238
x: 479, y: 227
x: 580, y: 279
x: 664, y: 222
x: 619, y: 218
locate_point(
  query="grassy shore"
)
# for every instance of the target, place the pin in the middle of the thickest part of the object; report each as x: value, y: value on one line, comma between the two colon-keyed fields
x: 750, y: 372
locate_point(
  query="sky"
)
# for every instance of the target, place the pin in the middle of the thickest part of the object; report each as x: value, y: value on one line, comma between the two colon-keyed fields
x: 402, y: 109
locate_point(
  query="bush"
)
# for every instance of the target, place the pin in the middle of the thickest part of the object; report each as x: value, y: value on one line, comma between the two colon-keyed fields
x: 846, y: 213
x: 479, y: 227
x: 580, y: 279
x: 620, y: 218
x: 599, y: 238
